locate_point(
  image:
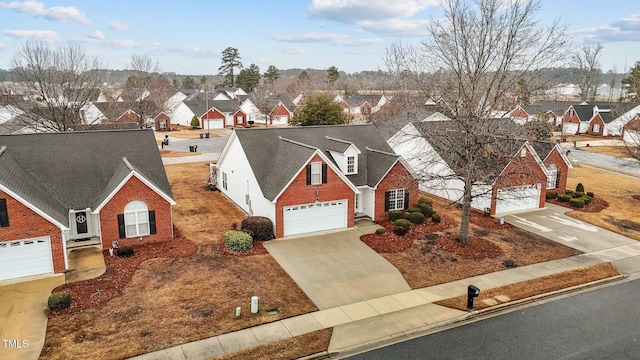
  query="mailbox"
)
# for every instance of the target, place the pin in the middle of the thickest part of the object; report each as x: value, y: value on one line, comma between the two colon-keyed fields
x: 472, y: 292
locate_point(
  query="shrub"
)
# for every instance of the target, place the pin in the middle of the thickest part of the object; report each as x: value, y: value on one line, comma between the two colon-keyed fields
x: 425, y: 200
x: 591, y: 194
x: 195, y: 123
x: 380, y: 231
x: 570, y: 193
x: 395, y: 215
x: 400, y: 231
x: 579, y: 194
x: 125, y: 251
x: 564, y: 197
x: 436, y: 218
x: 425, y: 209
x: 580, y: 188
x: 237, y: 241
x: 415, y: 217
x: 587, y: 199
x: 261, y: 227
x: 509, y: 264
x: 551, y: 195
x: 414, y: 209
x: 403, y: 222
x: 576, y: 202
x: 59, y: 301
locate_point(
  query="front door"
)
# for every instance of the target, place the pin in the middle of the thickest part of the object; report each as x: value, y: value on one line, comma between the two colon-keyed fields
x: 81, y: 223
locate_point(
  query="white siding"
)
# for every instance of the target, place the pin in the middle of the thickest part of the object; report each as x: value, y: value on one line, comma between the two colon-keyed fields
x: 182, y: 115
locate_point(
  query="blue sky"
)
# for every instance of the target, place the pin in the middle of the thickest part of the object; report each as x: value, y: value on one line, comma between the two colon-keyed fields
x: 187, y: 37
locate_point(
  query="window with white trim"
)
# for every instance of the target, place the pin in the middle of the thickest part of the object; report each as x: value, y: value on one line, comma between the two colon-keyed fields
x: 553, y: 175
x: 396, y: 199
x: 316, y: 173
x: 136, y: 219
x: 351, y: 164
x: 240, y: 120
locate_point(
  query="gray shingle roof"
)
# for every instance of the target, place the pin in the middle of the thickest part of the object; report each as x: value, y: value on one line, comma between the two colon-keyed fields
x: 74, y: 170
x: 276, y: 154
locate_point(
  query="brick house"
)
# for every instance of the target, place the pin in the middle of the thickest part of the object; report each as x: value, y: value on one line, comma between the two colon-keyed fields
x: 314, y: 178
x: 510, y: 173
x: 59, y: 191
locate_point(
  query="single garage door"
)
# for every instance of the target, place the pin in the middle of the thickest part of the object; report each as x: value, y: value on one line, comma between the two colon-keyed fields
x: 213, y: 124
x: 308, y: 218
x: 569, y: 128
x: 518, y: 198
x: 631, y: 136
x: 280, y: 120
x: 25, y: 258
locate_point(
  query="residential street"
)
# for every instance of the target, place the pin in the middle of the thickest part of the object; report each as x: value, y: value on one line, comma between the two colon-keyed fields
x: 627, y: 165
x: 600, y: 324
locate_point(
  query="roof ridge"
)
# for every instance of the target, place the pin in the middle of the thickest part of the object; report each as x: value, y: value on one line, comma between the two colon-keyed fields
x: 297, y: 142
x: 336, y: 139
x: 381, y: 152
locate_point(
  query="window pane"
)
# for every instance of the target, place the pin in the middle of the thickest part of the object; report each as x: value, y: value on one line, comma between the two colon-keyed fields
x: 130, y: 230
x: 143, y: 229
x: 316, y: 173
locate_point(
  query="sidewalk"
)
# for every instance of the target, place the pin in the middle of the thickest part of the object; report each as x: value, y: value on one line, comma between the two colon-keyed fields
x: 394, y: 316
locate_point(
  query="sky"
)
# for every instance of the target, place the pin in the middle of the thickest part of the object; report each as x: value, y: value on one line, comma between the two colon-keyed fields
x: 188, y: 37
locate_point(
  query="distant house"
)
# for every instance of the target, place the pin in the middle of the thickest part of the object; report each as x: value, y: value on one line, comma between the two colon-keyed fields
x: 361, y: 104
x: 315, y: 178
x: 631, y: 131
x: 626, y: 114
x: 60, y: 191
x: 577, y: 118
x: 214, y: 110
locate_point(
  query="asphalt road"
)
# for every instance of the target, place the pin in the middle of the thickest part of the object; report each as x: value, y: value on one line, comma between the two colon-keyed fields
x: 628, y: 165
x: 600, y: 324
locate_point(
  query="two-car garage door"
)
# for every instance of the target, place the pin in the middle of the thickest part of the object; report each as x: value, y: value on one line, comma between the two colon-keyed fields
x: 25, y: 258
x: 308, y: 218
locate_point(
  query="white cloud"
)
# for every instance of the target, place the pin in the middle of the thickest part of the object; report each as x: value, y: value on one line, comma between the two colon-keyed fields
x: 56, y: 13
x: 625, y: 29
x: 310, y: 37
x: 47, y: 35
x: 118, y: 26
x: 360, y: 42
x: 359, y: 11
x: 292, y: 50
x: 397, y: 27
x: 98, y: 35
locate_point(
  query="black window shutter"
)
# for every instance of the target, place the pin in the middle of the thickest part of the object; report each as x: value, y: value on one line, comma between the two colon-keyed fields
x: 308, y: 174
x: 558, y: 179
x: 386, y: 201
x: 324, y: 173
x: 406, y: 199
x: 152, y: 222
x: 121, y: 231
x: 4, y: 213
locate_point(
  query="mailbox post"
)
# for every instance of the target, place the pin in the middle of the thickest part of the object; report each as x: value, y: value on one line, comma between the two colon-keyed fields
x: 472, y: 292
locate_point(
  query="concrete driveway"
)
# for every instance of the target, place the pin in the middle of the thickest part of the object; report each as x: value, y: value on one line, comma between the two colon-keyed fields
x: 552, y: 223
x: 22, y: 316
x: 336, y: 268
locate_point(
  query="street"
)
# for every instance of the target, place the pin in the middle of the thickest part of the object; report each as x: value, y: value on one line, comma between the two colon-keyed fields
x: 600, y: 324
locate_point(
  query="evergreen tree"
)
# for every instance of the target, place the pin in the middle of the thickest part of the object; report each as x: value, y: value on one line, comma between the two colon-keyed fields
x: 230, y: 61
x: 272, y: 74
x: 249, y: 78
x: 320, y: 109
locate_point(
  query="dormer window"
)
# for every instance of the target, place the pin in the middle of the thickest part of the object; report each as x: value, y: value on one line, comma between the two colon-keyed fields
x: 351, y: 164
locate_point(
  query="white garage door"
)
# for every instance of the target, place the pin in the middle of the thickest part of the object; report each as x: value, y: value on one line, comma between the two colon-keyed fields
x: 212, y: 124
x: 25, y: 258
x: 631, y: 136
x: 315, y: 217
x: 518, y: 198
x: 569, y: 128
x: 280, y: 120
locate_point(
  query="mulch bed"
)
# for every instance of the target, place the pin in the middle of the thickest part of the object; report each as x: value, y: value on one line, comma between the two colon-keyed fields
x: 596, y: 205
x: 89, y: 293
x: 392, y: 243
x: 258, y: 249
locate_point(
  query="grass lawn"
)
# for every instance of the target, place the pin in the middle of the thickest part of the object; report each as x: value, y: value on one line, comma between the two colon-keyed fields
x: 621, y: 192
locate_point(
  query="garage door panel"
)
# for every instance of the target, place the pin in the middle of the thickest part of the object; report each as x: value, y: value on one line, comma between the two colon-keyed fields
x: 22, y: 258
x: 632, y: 136
x: 315, y: 217
x: 518, y: 198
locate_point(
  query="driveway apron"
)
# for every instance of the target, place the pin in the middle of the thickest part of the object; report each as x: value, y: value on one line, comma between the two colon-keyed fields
x: 336, y: 268
x: 552, y: 223
x: 23, y: 321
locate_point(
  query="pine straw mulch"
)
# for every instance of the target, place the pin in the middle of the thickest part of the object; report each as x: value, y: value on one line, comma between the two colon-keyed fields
x: 596, y: 205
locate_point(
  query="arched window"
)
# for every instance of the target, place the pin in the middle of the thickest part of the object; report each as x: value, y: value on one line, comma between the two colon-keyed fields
x: 136, y: 219
x: 553, y: 176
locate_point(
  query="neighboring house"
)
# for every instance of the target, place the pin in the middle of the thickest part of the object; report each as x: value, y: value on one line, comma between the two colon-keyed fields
x: 577, y: 118
x: 214, y: 110
x: 59, y: 191
x: 631, y: 131
x: 162, y: 122
x: 616, y: 126
x: 361, y: 104
x: 314, y: 178
x: 281, y: 108
x: 389, y: 123
x: 172, y: 103
x: 510, y: 175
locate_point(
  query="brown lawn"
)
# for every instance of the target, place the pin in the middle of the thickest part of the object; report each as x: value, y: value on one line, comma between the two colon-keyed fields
x: 172, y: 153
x: 173, y: 300
x: 621, y: 192
x: 615, y: 151
x: 293, y: 348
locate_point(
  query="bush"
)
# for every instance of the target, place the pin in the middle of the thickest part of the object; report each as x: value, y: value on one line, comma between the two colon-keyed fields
x: 586, y: 199
x: 564, y: 197
x: 195, y: 123
x: 425, y: 209
x: 425, y: 201
x: 414, y: 209
x: 261, y: 227
x: 580, y: 188
x: 436, y: 218
x: 237, y: 241
x: 551, y: 195
x: 591, y: 194
x: 380, y: 231
x: 415, y: 217
x: 576, y: 202
x: 579, y: 194
x: 570, y: 193
x: 395, y: 215
x: 403, y: 222
x: 125, y: 251
x: 59, y: 301
x: 400, y: 231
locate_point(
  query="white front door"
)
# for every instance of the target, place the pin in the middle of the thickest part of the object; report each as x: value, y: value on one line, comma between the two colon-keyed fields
x: 27, y: 257
x: 308, y: 218
x: 518, y: 198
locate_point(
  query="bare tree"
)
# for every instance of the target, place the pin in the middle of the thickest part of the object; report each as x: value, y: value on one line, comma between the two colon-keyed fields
x: 586, y: 64
x: 60, y: 81
x: 476, y: 55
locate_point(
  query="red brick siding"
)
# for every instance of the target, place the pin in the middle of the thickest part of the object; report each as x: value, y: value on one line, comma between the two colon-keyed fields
x: 563, y: 168
x: 135, y: 189
x: 235, y: 119
x: 518, y: 112
x: 521, y: 171
x: 25, y: 223
x: 365, y: 109
x: 597, y: 120
x: 128, y: 116
x: 299, y: 192
x: 567, y: 118
x: 212, y: 115
x: 279, y: 110
x: 397, y: 178
x: 633, y: 124
x: 164, y: 117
